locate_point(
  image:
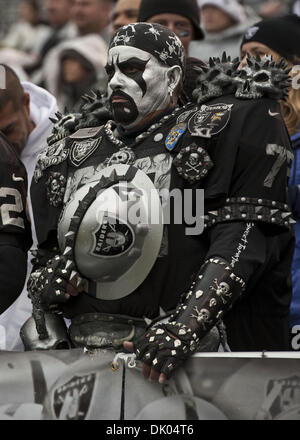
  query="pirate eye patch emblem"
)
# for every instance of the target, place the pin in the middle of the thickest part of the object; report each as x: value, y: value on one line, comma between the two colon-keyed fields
x: 174, y: 136
x: 193, y: 163
x: 210, y: 120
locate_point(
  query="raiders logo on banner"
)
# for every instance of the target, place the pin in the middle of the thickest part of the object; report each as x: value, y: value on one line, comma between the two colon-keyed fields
x: 71, y: 401
x: 282, y: 400
x: 82, y: 150
x: 210, y: 120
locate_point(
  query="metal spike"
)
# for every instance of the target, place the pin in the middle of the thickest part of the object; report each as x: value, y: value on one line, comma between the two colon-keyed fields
x: 79, y: 281
x: 113, y: 176
x: 211, y: 62
x: 73, y: 274
x: 69, y: 264
x: 53, y: 120
x: 58, y: 115
x: 90, y: 98
x: 67, y: 251
x: 147, y: 320
x: 162, y: 312
x: 285, y: 214
x: 69, y: 234
x: 224, y: 57
x: 92, y: 191
x: 249, y: 62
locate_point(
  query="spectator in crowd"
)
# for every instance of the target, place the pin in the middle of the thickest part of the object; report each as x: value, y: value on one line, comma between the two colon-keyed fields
x: 15, y: 234
x: 59, y: 13
x: 93, y: 17
x: 273, y: 8
x: 296, y: 7
x: 28, y: 30
x: 279, y: 37
x: 224, y: 23
x: 124, y: 12
x: 183, y: 19
x: 79, y: 68
x: 25, y: 110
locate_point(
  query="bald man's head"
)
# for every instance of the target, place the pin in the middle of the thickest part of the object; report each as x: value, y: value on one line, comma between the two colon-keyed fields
x: 15, y: 121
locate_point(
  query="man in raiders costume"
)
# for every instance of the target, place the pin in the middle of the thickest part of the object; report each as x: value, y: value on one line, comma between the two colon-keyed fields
x: 234, y: 145
x: 15, y: 231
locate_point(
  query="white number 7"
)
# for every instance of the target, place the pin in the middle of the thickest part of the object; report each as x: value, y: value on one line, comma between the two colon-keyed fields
x: 6, y: 208
x: 283, y: 155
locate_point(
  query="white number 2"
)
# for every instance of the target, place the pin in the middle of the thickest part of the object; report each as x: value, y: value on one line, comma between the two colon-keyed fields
x: 7, y: 208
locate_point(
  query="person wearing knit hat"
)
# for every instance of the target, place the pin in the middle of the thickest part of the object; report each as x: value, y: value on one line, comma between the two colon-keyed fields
x: 280, y: 37
x: 182, y: 17
x: 224, y: 23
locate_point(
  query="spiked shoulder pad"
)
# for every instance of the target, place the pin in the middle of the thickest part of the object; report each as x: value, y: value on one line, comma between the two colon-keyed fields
x: 258, y: 79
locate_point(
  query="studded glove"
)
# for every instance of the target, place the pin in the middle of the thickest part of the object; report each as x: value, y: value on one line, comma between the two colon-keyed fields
x: 166, y: 346
x: 48, y: 285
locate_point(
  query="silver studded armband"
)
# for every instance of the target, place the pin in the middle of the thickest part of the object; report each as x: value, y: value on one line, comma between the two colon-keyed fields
x: 251, y: 209
x: 213, y: 292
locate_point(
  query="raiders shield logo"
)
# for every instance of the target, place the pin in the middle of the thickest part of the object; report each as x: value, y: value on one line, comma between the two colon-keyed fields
x: 210, y: 120
x: 113, y: 238
x: 72, y: 400
x: 80, y: 151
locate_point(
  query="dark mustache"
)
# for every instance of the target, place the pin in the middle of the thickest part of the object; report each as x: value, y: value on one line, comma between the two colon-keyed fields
x: 120, y: 94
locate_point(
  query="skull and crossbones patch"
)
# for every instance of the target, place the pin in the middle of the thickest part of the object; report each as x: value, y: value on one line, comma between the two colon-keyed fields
x: 222, y: 290
x: 193, y: 163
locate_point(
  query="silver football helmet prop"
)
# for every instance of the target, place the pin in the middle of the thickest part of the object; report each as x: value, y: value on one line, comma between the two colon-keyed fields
x: 57, y: 330
x: 112, y: 230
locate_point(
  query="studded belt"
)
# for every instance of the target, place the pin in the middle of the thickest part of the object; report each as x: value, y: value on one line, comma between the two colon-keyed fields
x: 101, y: 330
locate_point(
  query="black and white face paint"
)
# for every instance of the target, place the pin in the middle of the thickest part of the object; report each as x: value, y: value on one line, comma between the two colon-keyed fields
x: 138, y: 85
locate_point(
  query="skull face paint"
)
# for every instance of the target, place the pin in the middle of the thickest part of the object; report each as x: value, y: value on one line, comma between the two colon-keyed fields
x: 138, y: 85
